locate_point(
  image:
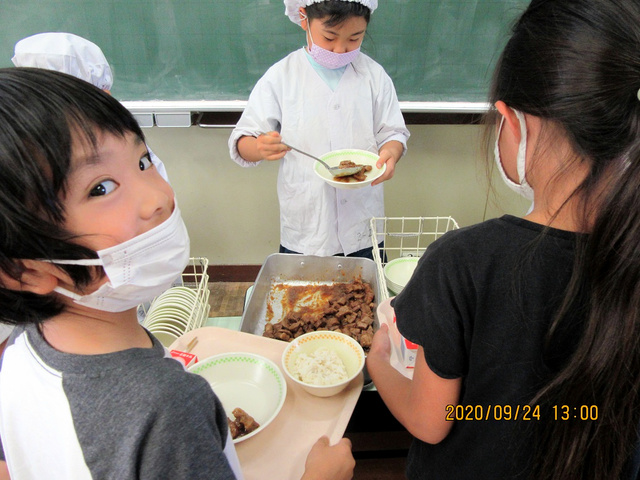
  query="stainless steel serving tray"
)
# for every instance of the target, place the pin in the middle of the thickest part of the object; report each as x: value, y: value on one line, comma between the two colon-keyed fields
x: 291, y: 269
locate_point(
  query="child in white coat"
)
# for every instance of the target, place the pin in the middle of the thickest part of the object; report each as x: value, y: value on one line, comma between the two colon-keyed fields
x: 68, y: 53
x: 325, y: 96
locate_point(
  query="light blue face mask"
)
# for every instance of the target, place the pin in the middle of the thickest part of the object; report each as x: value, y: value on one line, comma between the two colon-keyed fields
x: 523, y: 188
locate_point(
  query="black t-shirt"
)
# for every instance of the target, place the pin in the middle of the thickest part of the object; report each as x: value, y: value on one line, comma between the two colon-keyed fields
x: 480, y: 303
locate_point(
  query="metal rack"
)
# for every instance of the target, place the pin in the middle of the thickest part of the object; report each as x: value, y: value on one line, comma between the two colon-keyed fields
x: 404, y: 237
x: 194, y: 276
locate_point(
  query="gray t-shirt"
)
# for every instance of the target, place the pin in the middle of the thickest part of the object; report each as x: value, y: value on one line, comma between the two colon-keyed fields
x: 134, y: 414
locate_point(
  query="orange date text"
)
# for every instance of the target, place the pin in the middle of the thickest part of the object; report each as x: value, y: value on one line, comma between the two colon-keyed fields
x: 492, y: 412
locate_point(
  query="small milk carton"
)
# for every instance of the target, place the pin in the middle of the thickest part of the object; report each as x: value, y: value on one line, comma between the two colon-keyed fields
x: 185, y: 358
x: 408, y: 350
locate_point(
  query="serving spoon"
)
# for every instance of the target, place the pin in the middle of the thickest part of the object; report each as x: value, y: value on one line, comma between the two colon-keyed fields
x: 335, y: 171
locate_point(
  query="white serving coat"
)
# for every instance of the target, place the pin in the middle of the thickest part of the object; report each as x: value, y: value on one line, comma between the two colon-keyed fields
x: 362, y: 113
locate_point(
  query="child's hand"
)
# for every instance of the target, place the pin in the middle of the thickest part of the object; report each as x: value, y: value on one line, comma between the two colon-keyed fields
x: 270, y: 146
x: 389, y: 154
x: 326, y: 462
x: 381, y: 345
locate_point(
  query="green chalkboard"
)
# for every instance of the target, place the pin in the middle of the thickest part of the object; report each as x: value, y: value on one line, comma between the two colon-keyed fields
x: 185, y: 50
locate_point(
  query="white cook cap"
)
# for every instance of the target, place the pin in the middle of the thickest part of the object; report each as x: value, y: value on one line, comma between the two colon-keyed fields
x: 292, y: 7
x: 67, y: 53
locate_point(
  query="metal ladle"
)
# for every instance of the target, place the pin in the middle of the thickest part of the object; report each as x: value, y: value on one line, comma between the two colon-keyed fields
x: 335, y: 171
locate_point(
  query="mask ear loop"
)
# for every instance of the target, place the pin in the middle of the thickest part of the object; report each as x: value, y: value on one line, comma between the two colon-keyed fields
x: 498, y: 157
x: 522, y: 148
x: 67, y: 293
x: 90, y: 262
x: 303, y: 16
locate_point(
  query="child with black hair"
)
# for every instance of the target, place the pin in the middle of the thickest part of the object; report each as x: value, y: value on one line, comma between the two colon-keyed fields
x: 528, y: 328
x: 325, y: 96
x: 90, y: 230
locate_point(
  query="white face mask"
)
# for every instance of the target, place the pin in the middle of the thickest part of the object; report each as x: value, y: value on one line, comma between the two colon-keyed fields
x: 138, y: 269
x: 327, y: 58
x: 523, y: 188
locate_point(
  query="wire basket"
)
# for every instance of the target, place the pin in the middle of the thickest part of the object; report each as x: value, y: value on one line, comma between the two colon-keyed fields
x: 194, y: 277
x: 404, y: 237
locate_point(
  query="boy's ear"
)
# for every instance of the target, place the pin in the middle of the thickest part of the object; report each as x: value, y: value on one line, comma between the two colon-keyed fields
x: 38, y: 277
x: 510, y: 119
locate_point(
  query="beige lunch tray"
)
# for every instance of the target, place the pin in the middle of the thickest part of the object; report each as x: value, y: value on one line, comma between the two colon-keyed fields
x: 281, y: 449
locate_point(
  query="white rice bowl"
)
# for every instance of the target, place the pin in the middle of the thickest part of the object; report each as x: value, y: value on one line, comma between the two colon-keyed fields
x: 320, y: 357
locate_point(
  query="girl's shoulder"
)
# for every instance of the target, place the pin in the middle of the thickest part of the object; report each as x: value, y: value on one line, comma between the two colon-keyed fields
x: 284, y: 68
x: 364, y: 63
x: 506, y: 235
x: 507, y: 225
x: 364, y: 59
x: 482, y: 232
x: 288, y: 61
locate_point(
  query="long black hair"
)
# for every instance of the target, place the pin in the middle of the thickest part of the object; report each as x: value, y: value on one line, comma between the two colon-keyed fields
x: 42, y: 114
x: 576, y: 65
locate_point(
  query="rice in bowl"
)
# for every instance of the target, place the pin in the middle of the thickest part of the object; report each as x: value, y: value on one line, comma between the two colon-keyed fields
x: 347, y: 349
x: 322, y: 367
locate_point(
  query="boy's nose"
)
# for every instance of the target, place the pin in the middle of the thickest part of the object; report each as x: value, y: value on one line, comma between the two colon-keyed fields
x: 341, y: 48
x: 155, y: 202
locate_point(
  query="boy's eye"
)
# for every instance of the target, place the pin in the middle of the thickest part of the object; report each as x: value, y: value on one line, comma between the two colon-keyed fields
x: 103, y: 188
x: 145, y: 162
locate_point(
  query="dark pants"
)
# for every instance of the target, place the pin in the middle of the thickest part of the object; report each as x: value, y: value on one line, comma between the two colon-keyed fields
x: 364, y: 253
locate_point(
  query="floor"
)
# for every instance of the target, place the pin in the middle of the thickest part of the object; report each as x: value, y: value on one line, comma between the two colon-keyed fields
x: 379, y: 442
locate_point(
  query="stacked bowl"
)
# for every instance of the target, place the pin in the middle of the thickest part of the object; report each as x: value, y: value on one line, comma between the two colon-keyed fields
x: 398, y: 272
x: 175, y: 312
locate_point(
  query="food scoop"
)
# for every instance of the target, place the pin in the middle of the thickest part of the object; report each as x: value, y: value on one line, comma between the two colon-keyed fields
x: 335, y: 171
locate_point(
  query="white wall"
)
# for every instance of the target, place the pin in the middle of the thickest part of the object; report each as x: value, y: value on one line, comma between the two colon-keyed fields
x: 232, y: 212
